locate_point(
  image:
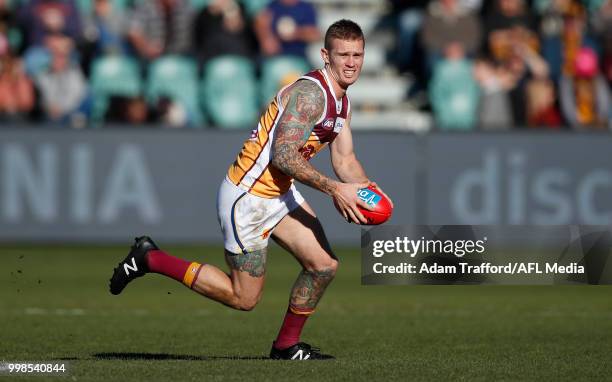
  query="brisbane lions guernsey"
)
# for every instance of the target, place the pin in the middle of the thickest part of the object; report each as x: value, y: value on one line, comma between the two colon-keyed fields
x: 252, y: 170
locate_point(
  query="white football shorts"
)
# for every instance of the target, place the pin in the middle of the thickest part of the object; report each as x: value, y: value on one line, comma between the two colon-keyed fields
x: 247, y: 220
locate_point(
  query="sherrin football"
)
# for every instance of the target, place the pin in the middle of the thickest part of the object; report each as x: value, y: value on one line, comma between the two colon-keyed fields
x: 382, y: 207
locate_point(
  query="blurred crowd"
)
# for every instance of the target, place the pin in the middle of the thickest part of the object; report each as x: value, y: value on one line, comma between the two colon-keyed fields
x: 87, y: 62
x: 490, y: 65
x: 509, y: 63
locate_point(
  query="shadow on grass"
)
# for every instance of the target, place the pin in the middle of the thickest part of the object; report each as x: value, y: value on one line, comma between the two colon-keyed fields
x: 168, y: 357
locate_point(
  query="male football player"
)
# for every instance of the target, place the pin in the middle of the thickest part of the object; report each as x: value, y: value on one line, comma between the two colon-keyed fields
x: 257, y: 199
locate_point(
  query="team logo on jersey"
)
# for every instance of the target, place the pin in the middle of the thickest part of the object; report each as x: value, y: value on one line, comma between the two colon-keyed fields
x: 254, y: 133
x: 328, y: 124
x: 307, y: 151
x: 339, y: 124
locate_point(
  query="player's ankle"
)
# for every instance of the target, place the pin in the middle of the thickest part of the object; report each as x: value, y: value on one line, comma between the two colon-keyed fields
x: 282, y: 345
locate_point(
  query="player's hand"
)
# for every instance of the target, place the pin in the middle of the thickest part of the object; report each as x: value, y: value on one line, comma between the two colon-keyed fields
x: 346, y: 202
x: 373, y: 184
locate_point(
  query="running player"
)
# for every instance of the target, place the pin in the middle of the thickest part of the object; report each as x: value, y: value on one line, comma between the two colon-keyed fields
x: 258, y: 200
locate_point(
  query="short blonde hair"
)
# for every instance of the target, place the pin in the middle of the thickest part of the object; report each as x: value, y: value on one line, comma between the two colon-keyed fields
x: 344, y: 30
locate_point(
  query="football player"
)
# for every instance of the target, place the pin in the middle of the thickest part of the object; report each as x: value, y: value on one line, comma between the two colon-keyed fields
x: 258, y: 199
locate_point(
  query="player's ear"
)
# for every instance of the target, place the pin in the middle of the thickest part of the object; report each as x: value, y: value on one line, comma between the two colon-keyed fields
x: 325, y: 56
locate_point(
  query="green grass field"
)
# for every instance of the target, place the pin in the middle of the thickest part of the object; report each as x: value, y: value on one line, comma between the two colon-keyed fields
x: 54, y: 306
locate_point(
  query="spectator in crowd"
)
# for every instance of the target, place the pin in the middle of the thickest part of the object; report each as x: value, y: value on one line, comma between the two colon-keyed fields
x: 16, y: 90
x: 495, y: 108
x: 130, y: 110
x: 286, y: 27
x: 525, y: 65
x: 585, y: 97
x: 602, y: 22
x: 222, y: 28
x: 104, y: 32
x: 509, y: 23
x: 40, y: 18
x: 406, y: 19
x: 170, y: 113
x: 608, y: 67
x: 448, y: 23
x: 159, y: 27
x: 453, y: 91
x: 509, y: 90
x: 564, y: 29
x: 552, y: 20
x: 575, y: 36
x: 106, y: 28
x: 7, y: 18
x: 63, y: 87
x: 513, y: 45
x: 542, y: 108
x: 136, y: 111
x: 9, y: 26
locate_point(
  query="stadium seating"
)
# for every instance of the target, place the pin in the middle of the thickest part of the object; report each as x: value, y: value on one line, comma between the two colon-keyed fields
x: 113, y: 75
x: 279, y: 71
x: 229, y: 92
x: 175, y: 77
x: 378, y: 91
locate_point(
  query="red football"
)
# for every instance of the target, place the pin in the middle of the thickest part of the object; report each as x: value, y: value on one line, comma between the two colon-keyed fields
x: 382, y: 206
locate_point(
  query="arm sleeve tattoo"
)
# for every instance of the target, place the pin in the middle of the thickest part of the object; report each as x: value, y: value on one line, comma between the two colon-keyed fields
x: 305, y: 104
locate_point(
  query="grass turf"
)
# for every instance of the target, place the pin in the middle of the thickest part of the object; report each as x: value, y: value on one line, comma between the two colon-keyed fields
x: 54, y: 306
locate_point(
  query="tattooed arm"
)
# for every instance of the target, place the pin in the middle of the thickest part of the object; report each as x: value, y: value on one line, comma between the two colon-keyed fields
x: 304, y: 104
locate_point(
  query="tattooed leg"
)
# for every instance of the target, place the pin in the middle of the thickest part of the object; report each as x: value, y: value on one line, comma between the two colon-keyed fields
x: 309, y: 287
x: 254, y: 263
x: 301, y: 234
x: 306, y: 293
x: 242, y: 288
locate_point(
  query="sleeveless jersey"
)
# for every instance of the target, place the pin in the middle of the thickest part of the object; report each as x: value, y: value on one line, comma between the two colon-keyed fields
x: 252, y: 170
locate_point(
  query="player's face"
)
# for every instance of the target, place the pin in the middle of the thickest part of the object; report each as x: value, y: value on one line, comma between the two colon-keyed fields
x: 344, y: 60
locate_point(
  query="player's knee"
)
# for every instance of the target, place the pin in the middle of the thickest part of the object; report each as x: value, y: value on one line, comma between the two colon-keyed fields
x: 327, y: 265
x: 333, y: 266
x: 247, y: 306
x: 246, y: 303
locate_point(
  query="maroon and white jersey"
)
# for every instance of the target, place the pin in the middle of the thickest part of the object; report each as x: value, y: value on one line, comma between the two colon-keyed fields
x: 332, y: 121
x: 251, y: 170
